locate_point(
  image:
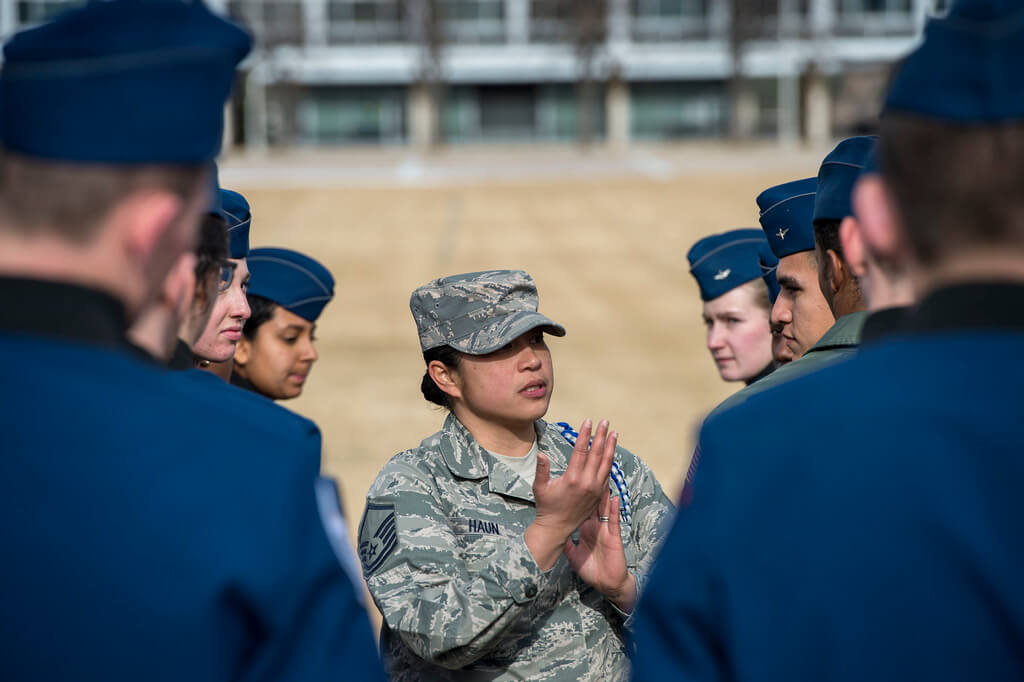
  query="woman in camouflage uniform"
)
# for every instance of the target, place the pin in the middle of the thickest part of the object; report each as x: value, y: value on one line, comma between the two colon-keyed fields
x: 496, y: 550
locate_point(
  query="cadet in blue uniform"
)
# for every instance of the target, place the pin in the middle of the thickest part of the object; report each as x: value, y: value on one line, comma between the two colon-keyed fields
x: 787, y: 218
x: 149, y: 531
x: 832, y: 206
x: 878, y: 538
x: 215, y: 347
x: 736, y: 286
x: 183, y: 305
x: 277, y: 350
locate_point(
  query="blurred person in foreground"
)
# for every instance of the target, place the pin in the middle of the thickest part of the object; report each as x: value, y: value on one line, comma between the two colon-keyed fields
x: 496, y: 549
x: 277, y: 350
x: 214, y: 350
x: 150, y: 531
x: 737, y: 288
x: 881, y: 540
x: 171, y: 324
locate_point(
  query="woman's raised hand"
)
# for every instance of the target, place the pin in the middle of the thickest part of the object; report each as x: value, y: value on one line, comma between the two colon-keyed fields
x: 564, y: 503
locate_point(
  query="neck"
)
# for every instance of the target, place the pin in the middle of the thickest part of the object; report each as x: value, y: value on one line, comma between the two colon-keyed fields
x: 221, y: 369
x: 982, y: 265
x: 52, y: 259
x: 512, y: 440
x: 155, y: 332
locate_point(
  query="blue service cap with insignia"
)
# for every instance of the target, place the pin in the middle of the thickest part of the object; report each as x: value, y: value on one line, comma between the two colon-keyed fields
x: 121, y: 82
x: 722, y: 262
x: 293, y: 280
x: 967, y: 69
x: 837, y: 175
x: 787, y: 213
x: 235, y: 211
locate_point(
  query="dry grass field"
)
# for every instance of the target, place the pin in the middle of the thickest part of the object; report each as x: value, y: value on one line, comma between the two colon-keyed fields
x: 604, y: 235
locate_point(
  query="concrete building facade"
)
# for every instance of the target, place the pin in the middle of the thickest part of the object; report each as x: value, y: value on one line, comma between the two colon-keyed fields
x: 382, y: 72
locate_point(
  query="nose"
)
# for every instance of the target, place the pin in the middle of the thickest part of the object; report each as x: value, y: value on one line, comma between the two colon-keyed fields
x: 240, y: 306
x: 528, y: 359
x: 782, y: 313
x: 716, y: 337
x: 309, y: 353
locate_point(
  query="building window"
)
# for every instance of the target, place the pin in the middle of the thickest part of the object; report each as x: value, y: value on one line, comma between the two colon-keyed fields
x: 370, y: 115
x: 366, y: 21
x: 550, y: 21
x: 875, y: 17
x: 668, y: 20
x: 474, y: 21
x: 665, y: 111
x: 272, y: 22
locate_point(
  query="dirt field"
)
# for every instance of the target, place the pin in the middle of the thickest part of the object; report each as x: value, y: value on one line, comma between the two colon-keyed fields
x: 605, y: 236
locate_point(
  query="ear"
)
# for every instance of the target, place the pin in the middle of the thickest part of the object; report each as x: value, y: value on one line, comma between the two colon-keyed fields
x: 447, y: 379
x: 242, y: 351
x: 853, y: 246
x: 836, y: 273
x: 880, y: 228
x: 144, y: 219
x: 179, y: 285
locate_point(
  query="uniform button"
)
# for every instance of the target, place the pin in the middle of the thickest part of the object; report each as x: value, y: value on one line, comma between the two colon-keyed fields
x: 531, y: 591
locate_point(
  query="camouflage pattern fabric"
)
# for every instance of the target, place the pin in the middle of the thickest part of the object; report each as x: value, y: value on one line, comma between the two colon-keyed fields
x: 442, y: 548
x: 478, y: 312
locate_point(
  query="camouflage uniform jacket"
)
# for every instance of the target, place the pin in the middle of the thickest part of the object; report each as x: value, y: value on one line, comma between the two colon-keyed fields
x: 443, y: 553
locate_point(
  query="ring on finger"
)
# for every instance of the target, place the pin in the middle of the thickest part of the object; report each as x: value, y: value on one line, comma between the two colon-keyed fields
x: 604, y: 519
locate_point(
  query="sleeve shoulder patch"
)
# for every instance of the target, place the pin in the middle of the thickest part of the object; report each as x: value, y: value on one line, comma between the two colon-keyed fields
x: 378, y: 536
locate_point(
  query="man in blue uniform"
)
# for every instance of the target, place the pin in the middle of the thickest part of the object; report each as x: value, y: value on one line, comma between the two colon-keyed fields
x: 150, y: 531
x: 879, y: 537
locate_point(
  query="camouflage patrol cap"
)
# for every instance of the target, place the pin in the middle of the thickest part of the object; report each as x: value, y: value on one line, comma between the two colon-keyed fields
x: 478, y: 312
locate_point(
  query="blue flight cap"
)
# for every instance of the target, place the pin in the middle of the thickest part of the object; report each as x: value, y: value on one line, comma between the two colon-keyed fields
x: 216, y: 206
x: 293, y: 280
x: 235, y: 211
x: 121, y: 82
x: 870, y: 163
x: 967, y: 69
x: 722, y: 262
x: 838, y: 172
x: 769, y: 264
x: 787, y: 213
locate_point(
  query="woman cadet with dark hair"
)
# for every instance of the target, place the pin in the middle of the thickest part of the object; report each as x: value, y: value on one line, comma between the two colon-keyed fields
x: 735, y: 272
x: 496, y: 549
x: 277, y: 350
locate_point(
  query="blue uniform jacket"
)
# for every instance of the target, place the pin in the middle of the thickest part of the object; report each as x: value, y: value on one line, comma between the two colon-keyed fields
x: 155, y: 527
x: 864, y: 522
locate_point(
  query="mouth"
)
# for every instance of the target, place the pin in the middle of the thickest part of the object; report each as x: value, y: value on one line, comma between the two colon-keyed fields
x: 297, y: 378
x: 535, y: 389
x: 722, y: 361
x: 234, y: 333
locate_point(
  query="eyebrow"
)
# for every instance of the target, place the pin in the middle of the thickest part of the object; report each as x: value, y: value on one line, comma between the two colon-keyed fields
x: 789, y: 282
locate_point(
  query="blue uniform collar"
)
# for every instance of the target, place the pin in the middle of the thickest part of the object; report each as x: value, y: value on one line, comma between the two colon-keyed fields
x: 62, y: 310
x: 984, y: 305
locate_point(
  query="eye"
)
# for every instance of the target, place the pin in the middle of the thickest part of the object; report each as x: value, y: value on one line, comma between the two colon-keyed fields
x: 290, y: 340
x: 537, y: 338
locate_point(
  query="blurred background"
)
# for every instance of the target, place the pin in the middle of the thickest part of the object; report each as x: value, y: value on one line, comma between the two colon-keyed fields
x: 590, y: 142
